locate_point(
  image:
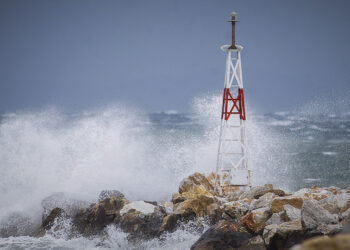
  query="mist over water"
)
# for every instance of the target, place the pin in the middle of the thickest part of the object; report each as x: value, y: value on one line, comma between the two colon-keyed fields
x: 145, y: 156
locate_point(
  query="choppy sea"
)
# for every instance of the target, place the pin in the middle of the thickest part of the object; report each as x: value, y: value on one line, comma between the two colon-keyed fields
x: 145, y: 156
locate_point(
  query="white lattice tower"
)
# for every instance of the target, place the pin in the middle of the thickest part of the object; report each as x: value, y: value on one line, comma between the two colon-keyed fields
x: 232, y: 160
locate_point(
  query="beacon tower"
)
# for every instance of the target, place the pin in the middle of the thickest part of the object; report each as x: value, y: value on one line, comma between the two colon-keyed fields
x: 232, y: 161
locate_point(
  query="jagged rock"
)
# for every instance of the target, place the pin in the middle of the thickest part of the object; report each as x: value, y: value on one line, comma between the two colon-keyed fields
x: 292, y: 213
x: 313, y: 215
x: 196, y: 183
x: 345, y: 217
x: 48, y: 222
x: 256, y: 220
x: 167, y: 206
x: 340, y: 200
x: 284, y: 235
x: 328, y: 229
x: 330, y: 207
x: 275, y: 219
x: 263, y: 201
x: 214, y: 213
x: 108, y: 193
x: 277, y: 192
x: 345, y: 207
x: 197, y: 204
x: 255, y: 243
x: 194, y: 207
x: 235, y: 210
x: 91, y: 220
x: 340, y: 241
x: 141, y: 219
x: 50, y: 219
x: 277, y: 203
x: 225, y: 235
x: 254, y: 191
x: 171, y: 222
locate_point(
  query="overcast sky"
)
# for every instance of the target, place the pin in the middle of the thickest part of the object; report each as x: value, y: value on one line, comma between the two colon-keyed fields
x: 158, y: 55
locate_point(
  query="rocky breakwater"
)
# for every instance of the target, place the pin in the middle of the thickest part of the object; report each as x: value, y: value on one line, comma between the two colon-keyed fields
x: 260, y: 218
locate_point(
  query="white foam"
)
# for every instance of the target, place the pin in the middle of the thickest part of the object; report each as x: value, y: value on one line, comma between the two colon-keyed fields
x: 329, y: 153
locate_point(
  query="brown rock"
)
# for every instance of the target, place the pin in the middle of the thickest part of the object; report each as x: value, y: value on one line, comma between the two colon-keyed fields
x: 277, y: 204
x: 340, y: 241
x: 346, y: 207
x: 196, y: 182
x: 277, y: 192
x: 91, y: 220
x: 141, y: 225
x: 225, y: 235
x: 255, y: 220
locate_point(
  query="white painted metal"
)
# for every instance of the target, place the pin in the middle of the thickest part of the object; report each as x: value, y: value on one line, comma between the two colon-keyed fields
x: 232, y: 159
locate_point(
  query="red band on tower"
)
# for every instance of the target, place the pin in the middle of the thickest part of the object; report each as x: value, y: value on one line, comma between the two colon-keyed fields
x: 237, y: 104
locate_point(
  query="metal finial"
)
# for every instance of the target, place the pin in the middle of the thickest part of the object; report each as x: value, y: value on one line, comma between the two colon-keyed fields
x: 233, y: 20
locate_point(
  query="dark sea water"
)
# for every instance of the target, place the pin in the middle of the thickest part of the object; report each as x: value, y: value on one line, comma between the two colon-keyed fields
x: 145, y: 156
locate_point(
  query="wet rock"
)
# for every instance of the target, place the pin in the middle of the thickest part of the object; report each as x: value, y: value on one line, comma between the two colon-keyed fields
x: 256, y: 220
x: 254, y: 191
x: 172, y: 221
x: 93, y: 219
x: 278, y: 203
x: 277, y: 192
x: 56, y: 215
x: 214, y: 213
x: 328, y: 229
x: 108, y: 193
x: 313, y: 215
x: 255, y: 243
x: 196, y: 183
x: 284, y: 235
x: 292, y: 213
x: 141, y: 219
x: 167, y: 206
x: 50, y: 219
x: 195, y: 207
x: 275, y: 219
x: 340, y: 241
x: 225, y: 235
x: 263, y: 201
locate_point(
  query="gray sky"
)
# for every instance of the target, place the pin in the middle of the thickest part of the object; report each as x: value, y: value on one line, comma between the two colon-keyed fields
x: 158, y: 55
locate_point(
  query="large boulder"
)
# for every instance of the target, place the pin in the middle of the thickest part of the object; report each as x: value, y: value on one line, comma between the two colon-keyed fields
x: 255, y: 243
x: 313, y: 215
x: 141, y: 219
x: 91, y: 220
x: 263, y: 201
x: 256, y: 219
x: 291, y: 213
x: 195, y: 206
x: 197, y: 183
x: 225, y: 235
x: 340, y: 241
x: 278, y: 203
x: 254, y: 192
x: 53, y: 221
x: 284, y: 235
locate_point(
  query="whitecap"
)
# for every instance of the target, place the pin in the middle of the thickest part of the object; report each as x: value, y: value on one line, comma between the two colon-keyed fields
x: 329, y: 153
